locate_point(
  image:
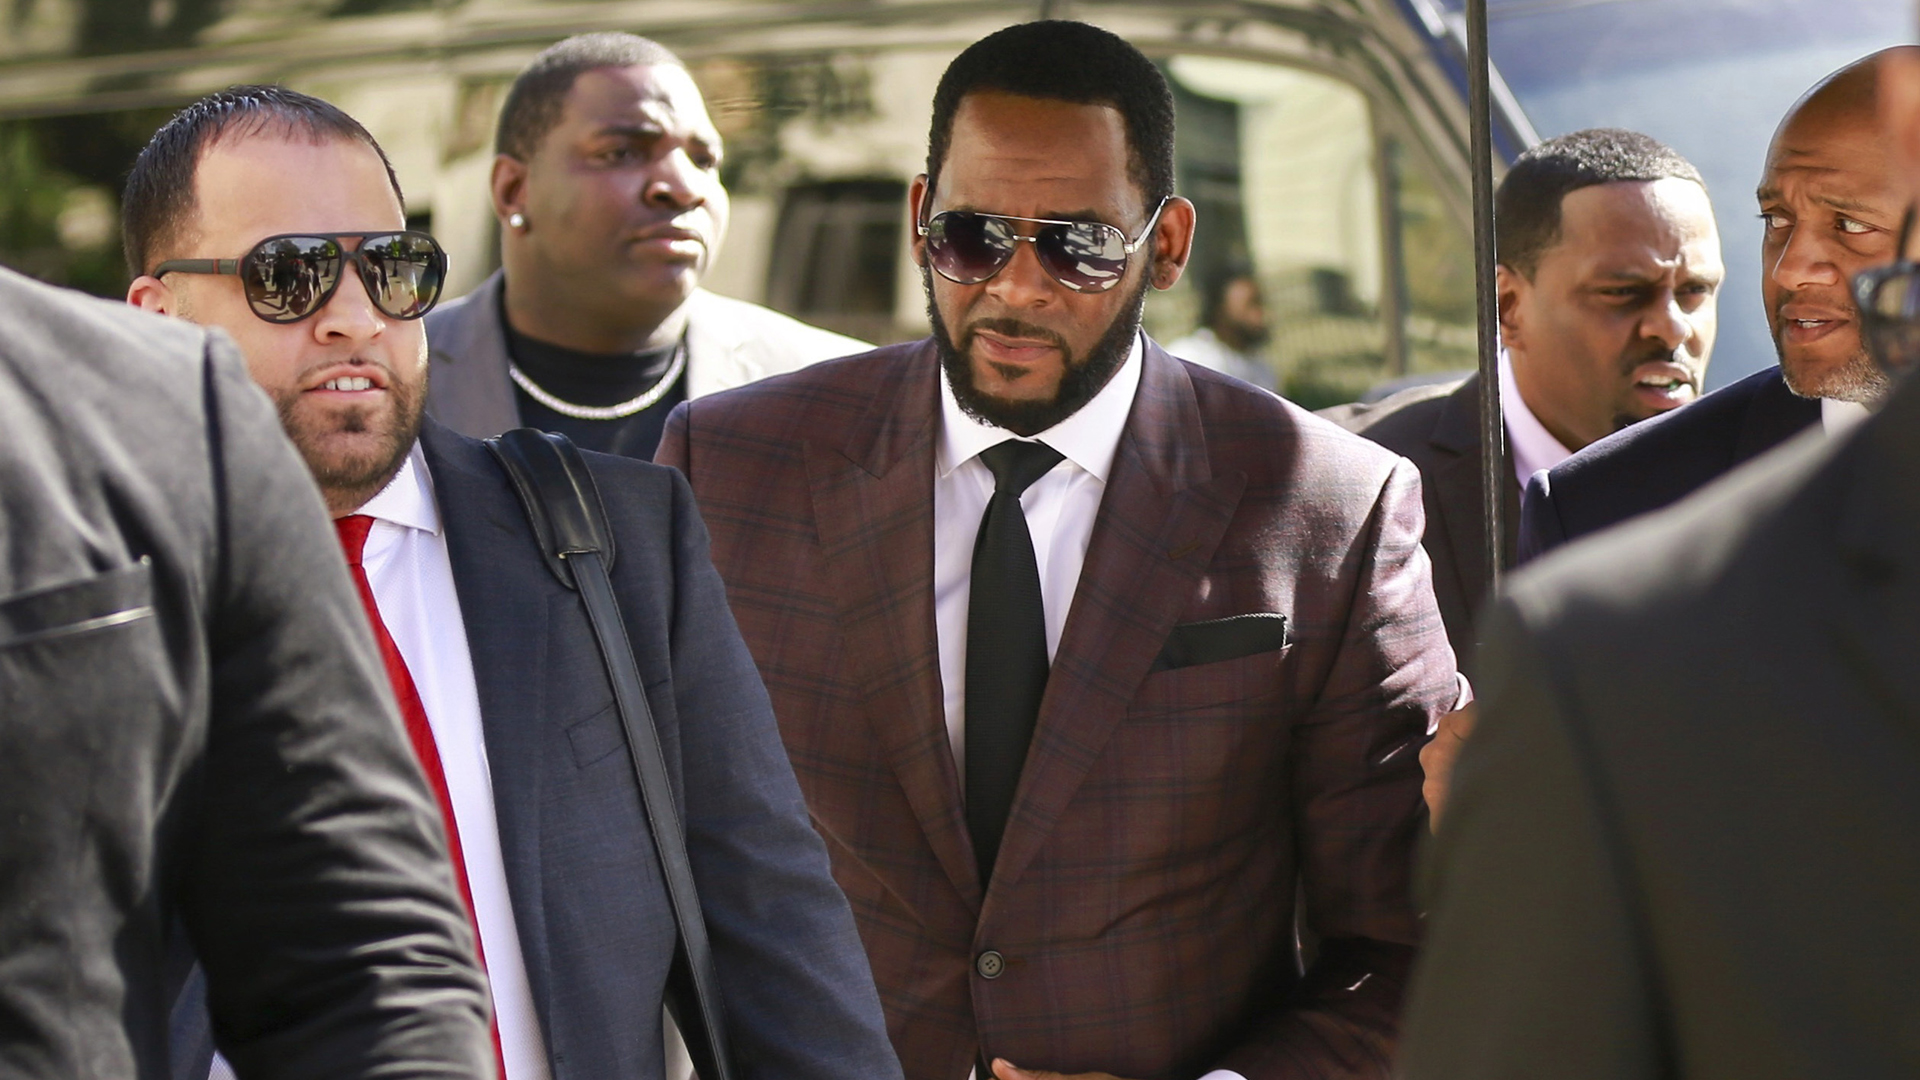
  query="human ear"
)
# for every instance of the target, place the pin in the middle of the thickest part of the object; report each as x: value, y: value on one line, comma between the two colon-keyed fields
x: 917, y: 196
x: 1172, y: 242
x: 508, y: 183
x: 1510, y: 286
x: 149, y: 293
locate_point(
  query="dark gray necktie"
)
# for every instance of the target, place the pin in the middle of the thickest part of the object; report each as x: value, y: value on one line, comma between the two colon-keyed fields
x: 1006, y: 646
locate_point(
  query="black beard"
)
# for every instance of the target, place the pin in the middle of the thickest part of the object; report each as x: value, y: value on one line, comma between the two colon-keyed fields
x: 1082, y: 379
x: 347, y: 481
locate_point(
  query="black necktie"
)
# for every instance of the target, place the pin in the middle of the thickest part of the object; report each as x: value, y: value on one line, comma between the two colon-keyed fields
x: 1006, y: 646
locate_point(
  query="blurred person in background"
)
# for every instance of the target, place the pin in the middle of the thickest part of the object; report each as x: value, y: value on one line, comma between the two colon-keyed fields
x: 1233, y: 331
x: 606, y: 182
x: 1684, y: 840
x: 277, y: 217
x: 1831, y: 198
x: 194, y: 732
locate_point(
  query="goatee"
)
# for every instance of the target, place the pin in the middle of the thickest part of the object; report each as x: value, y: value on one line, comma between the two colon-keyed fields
x: 1083, y: 378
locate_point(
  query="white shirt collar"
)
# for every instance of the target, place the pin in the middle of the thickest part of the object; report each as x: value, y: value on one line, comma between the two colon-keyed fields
x: 1838, y: 417
x: 407, y: 500
x: 1532, y: 446
x: 1089, y: 438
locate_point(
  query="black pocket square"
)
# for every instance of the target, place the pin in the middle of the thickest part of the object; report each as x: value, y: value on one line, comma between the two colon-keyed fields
x: 1208, y: 642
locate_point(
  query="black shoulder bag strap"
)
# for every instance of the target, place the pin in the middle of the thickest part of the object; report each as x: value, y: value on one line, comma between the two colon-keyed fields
x: 563, y: 505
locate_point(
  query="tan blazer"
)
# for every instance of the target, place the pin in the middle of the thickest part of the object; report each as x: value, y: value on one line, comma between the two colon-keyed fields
x: 729, y: 343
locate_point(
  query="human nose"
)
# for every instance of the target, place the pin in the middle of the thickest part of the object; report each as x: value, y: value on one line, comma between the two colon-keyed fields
x: 1022, y: 282
x: 1668, y: 322
x: 676, y: 183
x: 1804, y: 260
x: 349, y: 315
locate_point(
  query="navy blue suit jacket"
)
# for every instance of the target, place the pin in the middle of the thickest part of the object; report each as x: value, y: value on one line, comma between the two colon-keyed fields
x: 587, y: 895
x: 1660, y: 461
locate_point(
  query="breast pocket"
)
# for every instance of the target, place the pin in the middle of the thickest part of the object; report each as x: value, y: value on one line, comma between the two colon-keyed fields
x: 76, y: 608
x: 1203, y: 686
x: 87, y: 704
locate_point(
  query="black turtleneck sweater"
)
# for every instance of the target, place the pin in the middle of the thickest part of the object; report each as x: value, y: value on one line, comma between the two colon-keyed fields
x: 599, y: 380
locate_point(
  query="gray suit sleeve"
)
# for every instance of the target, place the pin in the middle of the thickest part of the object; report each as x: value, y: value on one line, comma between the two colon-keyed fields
x: 1540, y: 528
x: 318, y: 893
x: 800, y: 998
x: 1533, y: 964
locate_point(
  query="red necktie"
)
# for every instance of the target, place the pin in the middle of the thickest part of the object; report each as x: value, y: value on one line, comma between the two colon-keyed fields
x: 353, y: 539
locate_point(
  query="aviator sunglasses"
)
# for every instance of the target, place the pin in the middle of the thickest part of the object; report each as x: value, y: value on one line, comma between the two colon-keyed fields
x: 1889, y: 299
x: 289, y: 277
x: 1085, y: 256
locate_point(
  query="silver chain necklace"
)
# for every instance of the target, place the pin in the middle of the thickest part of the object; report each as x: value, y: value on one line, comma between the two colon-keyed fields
x: 624, y: 409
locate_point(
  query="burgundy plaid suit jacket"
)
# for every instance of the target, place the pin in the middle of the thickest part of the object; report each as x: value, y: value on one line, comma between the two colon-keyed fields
x: 1145, y: 893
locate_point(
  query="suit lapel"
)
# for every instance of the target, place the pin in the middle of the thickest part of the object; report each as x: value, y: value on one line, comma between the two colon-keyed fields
x: 1163, y: 515
x: 506, y: 624
x: 873, y: 506
x: 714, y: 360
x: 469, y: 389
x: 1457, y: 487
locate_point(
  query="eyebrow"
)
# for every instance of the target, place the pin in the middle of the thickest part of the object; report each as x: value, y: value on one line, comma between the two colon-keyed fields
x: 1832, y: 202
x: 1083, y: 214
x: 632, y: 131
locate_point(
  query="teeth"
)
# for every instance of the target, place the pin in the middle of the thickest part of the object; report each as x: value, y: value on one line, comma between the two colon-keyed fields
x: 1810, y: 323
x: 350, y: 382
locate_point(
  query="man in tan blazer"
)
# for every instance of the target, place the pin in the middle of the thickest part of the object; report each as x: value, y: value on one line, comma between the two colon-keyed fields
x: 607, y: 184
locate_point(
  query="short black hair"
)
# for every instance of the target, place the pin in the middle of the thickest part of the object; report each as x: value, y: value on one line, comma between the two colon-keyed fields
x: 159, y: 196
x: 1527, y: 206
x: 533, y: 103
x: 1061, y: 60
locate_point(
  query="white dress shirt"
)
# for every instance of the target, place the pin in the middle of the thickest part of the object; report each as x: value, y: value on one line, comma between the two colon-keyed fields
x: 1060, y: 508
x: 412, y: 578
x: 1531, y: 446
x: 1840, y: 417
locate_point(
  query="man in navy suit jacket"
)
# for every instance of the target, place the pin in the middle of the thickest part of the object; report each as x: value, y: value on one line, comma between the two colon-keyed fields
x: 1832, y: 201
x: 517, y: 725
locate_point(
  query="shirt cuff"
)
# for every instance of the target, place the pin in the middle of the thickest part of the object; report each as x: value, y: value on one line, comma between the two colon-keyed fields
x: 1462, y: 697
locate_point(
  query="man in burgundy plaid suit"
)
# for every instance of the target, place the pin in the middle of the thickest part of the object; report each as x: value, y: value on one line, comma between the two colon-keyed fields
x: 1093, y: 663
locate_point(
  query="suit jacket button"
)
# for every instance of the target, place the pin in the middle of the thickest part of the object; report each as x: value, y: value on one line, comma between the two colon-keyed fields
x: 990, y: 964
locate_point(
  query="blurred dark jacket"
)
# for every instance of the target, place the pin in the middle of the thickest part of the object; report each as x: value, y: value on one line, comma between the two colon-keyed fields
x: 194, y: 726
x: 1685, y: 838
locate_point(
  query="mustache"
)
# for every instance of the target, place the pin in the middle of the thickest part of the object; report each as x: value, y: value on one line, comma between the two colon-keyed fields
x: 1845, y: 303
x: 1013, y: 328
x: 1658, y: 354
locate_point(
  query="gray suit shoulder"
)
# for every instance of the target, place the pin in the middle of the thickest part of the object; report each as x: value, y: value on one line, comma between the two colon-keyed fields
x: 43, y: 320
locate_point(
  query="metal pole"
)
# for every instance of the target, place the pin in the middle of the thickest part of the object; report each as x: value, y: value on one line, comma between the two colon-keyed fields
x: 1493, y: 428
